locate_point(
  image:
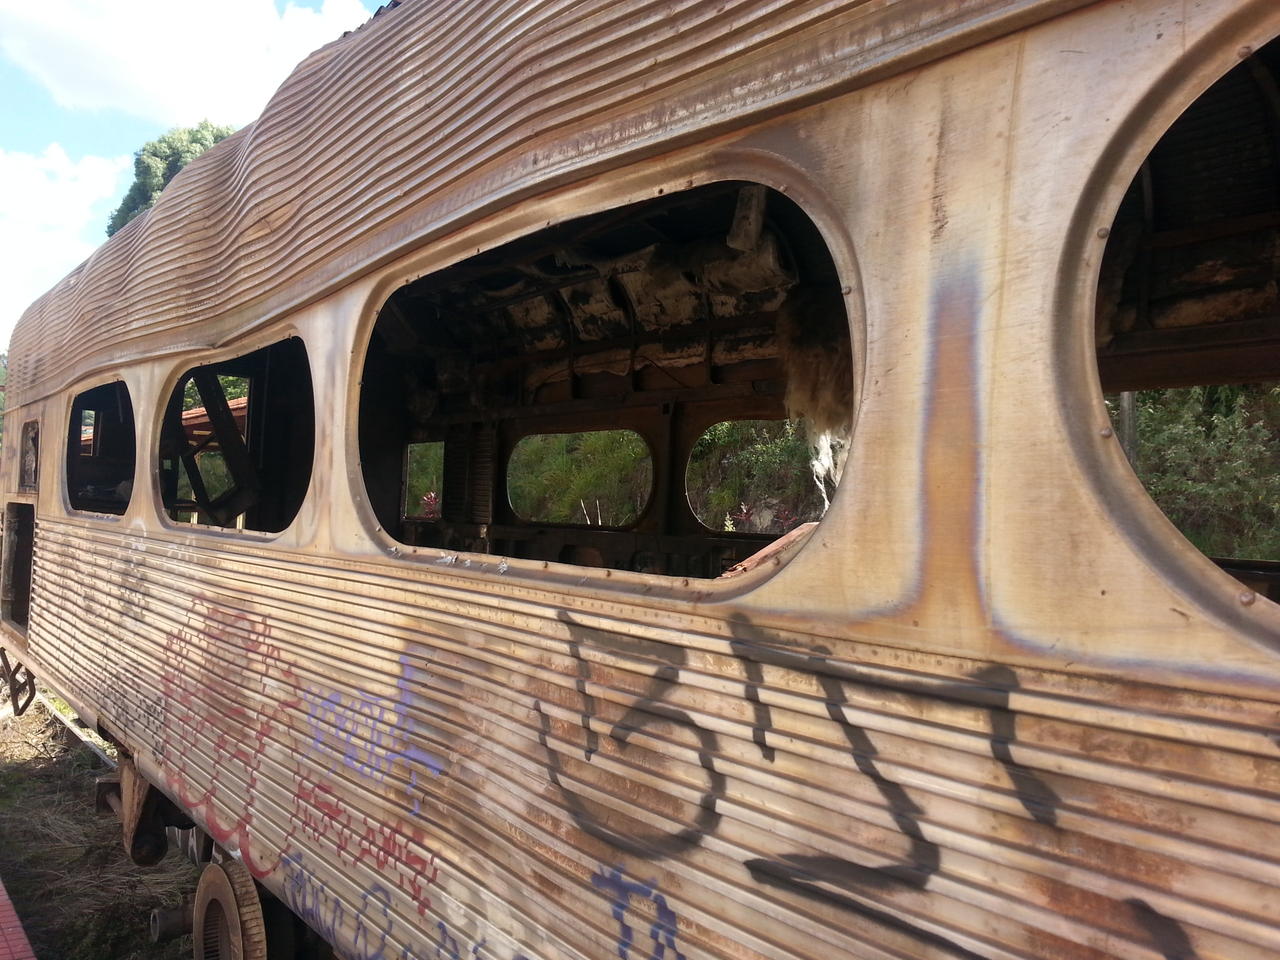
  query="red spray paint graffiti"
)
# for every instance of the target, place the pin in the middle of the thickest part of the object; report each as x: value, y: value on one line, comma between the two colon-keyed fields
x: 227, y: 693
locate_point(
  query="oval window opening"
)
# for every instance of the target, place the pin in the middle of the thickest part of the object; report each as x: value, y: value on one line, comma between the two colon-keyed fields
x: 1188, y: 324
x: 237, y: 441
x: 543, y: 400
x: 599, y: 478
x: 755, y: 476
x: 101, y: 452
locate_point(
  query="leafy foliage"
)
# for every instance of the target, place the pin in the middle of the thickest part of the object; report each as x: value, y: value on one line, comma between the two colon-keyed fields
x: 1210, y: 457
x: 158, y: 162
x: 424, y: 480
x: 753, y: 476
x: 213, y: 472
x: 599, y: 478
x: 211, y: 463
x: 233, y: 388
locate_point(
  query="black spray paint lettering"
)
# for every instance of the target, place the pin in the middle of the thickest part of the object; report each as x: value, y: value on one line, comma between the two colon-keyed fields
x: 653, y: 845
x: 648, y: 709
x: 799, y: 880
x: 989, y: 688
x: 925, y: 856
x: 824, y: 877
x: 755, y: 680
x: 814, y: 876
x: 1036, y: 796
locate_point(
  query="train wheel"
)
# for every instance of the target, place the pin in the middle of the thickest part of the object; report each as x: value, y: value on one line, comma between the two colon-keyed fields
x: 227, y: 919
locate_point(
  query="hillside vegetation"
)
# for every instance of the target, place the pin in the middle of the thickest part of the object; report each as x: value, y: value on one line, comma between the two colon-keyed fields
x: 1210, y: 457
x: 77, y: 894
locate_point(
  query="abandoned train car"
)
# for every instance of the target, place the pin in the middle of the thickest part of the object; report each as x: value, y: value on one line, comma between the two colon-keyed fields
x: 294, y: 504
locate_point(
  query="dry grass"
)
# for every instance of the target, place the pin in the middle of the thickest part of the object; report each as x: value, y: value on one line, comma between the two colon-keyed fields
x: 79, y: 896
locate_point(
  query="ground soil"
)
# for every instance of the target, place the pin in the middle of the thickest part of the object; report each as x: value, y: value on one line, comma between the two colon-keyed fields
x: 77, y: 894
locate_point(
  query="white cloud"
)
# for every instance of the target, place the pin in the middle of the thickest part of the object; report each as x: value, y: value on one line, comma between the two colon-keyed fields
x: 173, y: 63
x: 53, y: 213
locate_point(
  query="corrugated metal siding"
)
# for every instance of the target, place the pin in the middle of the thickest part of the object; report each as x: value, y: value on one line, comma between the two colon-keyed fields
x: 402, y: 754
x: 432, y: 114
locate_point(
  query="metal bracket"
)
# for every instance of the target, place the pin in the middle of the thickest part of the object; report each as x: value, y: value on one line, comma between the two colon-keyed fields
x: 21, y: 681
x: 145, y: 813
x: 106, y: 794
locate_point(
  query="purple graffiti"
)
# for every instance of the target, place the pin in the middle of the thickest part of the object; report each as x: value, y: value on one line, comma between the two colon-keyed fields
x: 662, y: 931
x: 369, y: 735
x: 373, y: 924
x: 310, y: 899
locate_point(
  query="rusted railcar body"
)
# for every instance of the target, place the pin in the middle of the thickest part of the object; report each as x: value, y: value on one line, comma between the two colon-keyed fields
x: 992, y: 706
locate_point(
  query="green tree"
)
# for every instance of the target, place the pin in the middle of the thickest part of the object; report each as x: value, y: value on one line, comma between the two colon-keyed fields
x: 233, y: 388
x: 748, y: 476
x: 1210, y: 457
x: 158, y: 162
x: 424, y: 480
x: 753, y: 476
x: 594, y: 478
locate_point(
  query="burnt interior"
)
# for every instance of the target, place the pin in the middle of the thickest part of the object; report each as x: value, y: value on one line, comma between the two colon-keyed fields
x: 663, y: 317
x: 19, y: 553
x: 29, y: 457
x: 264, y: 441
x: 1188, y: 290
x: 101, y: 450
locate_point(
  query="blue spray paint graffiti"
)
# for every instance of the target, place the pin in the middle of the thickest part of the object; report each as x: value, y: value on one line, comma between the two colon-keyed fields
x: 448, y: 945
x: 373, y: 924
x: 662, y: 930
x: 411, y: 680
x: 369, y: 735
x: 310, y: 899
x: 447, y: 948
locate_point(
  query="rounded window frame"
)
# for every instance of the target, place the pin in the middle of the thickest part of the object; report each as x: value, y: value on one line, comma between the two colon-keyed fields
x: 73, y: 394
x: 1077, y: 383
x: 784, y: 175
x: 177, y: 371
x: 653, y: 480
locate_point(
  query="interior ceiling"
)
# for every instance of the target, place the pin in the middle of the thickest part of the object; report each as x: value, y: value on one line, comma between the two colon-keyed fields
x: 1187, y: 292
x: 648, y: 269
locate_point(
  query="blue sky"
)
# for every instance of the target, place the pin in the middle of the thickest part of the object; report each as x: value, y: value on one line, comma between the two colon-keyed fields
x: 31, y: 120
x: 79, y: 94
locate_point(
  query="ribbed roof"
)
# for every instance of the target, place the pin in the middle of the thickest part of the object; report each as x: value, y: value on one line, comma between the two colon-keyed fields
x: 425, y: 118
